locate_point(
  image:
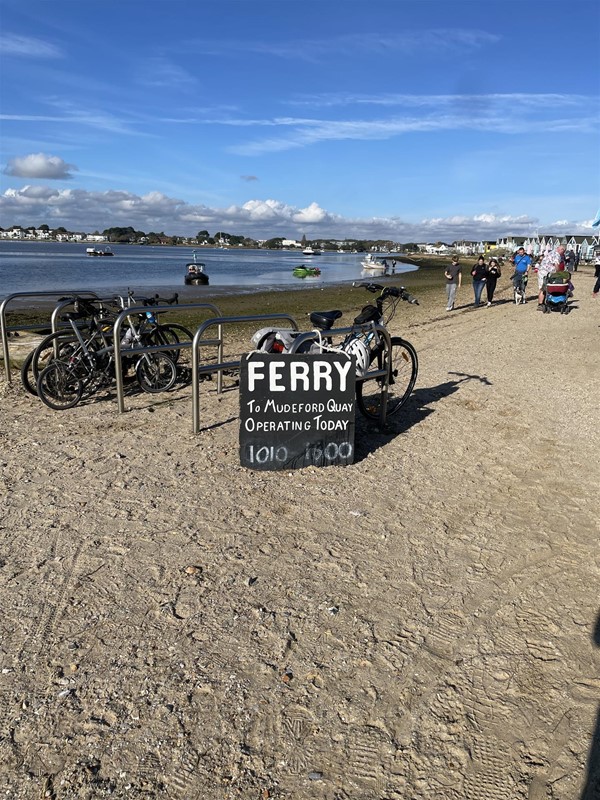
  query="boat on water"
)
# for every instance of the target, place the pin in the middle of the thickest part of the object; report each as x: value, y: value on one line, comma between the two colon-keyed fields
x: 306, y: 272
x: 195, y: 274
x: 375, y: 264
x: 94, y: 251
x: 310, y: 251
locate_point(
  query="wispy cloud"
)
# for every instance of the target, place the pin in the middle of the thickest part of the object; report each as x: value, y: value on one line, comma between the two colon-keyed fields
x: 308, y: 132
x: 506, y: 101
x: 442, y: 41
x: 73, y: 115
x: 159, y: 72
x: 12, y: 44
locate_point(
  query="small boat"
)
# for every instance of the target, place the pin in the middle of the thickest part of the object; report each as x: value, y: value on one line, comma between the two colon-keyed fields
x: 308, y: 251
x: 93, y: 251
x: 195, y: 275
x: 371, y: 262
x: 306, y: 272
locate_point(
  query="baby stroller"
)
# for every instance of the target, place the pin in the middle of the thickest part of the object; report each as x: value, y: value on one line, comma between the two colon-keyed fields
x: 519, y: 280
x: 556, y: 297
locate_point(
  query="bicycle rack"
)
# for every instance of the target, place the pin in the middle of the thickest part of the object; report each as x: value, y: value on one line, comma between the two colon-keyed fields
x: 127, y: 312
x: 4, y: 330
x: 378, y: 373
x: 197, y: 369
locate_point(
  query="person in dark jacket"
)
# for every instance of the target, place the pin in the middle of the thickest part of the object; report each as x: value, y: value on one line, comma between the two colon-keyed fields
x: 596, y: 288
x: 479, y: 274
x: 491, y: 279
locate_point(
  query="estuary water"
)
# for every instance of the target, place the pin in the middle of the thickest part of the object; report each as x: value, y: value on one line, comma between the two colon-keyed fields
x: 53, y: 266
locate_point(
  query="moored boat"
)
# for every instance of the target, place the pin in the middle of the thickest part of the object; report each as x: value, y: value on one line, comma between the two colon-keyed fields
x: 94, y: 251
x: 306, y: 272
x: 195, y: 274
x: 371, y: 262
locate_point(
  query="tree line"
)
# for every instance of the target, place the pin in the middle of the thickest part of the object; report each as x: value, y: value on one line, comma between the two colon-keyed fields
x: 129, y: 235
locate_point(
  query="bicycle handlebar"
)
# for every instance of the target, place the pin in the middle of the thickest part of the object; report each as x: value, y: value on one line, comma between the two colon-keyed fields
x: 158, y: 301
x: 388, y: 291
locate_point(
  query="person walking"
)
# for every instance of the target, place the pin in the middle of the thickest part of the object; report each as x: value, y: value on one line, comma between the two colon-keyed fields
x: 453, y: 275
x: 570, y: 261
x: 479, y: 273
x: 491, y: 279
x: 553, y: 261
x: 522, y: 263
x: 596, y: 288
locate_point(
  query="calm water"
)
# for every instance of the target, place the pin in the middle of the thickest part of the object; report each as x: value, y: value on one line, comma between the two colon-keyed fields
x: 39, y: 267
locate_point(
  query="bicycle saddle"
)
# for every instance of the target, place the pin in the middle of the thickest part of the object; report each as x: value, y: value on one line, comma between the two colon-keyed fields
x: 324, y: 319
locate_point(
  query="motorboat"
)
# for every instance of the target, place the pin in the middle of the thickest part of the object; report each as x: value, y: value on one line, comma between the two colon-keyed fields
x: 303, y: 271
x: 94, y: 251
x: 310, y: 251
x: 375, y: 264
x: 195, y: 274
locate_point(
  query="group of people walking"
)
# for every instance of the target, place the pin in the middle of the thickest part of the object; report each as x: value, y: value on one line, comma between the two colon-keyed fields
x: 483, y: 274
x: 486, y: 274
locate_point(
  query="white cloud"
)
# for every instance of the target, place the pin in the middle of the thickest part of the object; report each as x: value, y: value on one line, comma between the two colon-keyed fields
x: 39, y: 165
x: 81, y: 210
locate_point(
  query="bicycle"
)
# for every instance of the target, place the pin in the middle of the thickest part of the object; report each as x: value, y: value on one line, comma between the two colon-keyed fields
x: 82, y: 364
x: 367, y: 345
x: 147, y: 330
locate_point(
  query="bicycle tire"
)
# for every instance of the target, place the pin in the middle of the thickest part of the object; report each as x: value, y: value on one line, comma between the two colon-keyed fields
x: 42, y: 355
x: 155, y: 373
x: 169, y: 333
x: 58, y: 388
x: 405, y: 367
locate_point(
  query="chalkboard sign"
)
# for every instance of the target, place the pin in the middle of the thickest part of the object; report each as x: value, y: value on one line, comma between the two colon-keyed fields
x: 296, y: 410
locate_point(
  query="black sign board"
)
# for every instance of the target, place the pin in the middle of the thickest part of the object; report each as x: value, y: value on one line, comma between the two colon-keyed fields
x: 296, y: 410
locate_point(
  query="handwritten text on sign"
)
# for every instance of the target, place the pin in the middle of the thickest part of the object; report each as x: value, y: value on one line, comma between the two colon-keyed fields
x: 296, y: 410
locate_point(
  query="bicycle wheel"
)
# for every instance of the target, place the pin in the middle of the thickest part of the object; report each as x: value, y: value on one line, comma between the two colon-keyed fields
x: 62, y: 343
x: 156, y: 372
x: 58, y: 387
x: 404, y: 368
x: 171, y: 333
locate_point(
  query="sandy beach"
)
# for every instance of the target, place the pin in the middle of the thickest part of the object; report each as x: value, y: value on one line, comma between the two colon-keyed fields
x: 420, y: 624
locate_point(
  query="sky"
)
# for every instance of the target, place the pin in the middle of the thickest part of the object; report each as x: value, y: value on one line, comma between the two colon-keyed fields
x: 409, y: 120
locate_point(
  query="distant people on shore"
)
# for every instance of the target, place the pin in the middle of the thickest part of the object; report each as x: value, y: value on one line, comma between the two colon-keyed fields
x: 479, y: 275
x: 493, y: 273
x: 453, y: 275
x: 554, y: 260
x: 571, y: 261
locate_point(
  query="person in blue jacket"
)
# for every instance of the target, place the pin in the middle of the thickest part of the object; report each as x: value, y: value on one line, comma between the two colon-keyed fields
x: 522, y: 263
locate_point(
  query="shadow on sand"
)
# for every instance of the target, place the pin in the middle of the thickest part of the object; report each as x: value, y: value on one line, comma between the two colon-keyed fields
x: 368, y: 436
x: 591, y: 789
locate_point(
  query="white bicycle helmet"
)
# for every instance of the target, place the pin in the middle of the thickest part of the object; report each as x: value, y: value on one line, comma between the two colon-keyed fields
x: 358, y: 348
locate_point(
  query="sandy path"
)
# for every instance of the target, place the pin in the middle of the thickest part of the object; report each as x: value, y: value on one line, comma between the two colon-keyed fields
x: 417, y: 625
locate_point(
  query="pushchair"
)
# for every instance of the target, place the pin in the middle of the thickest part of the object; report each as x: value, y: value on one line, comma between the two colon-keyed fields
x: 556, y: 295
x: 519, y: 280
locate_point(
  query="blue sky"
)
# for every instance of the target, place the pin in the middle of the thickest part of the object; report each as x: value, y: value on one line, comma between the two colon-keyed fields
x: 392, y: 119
